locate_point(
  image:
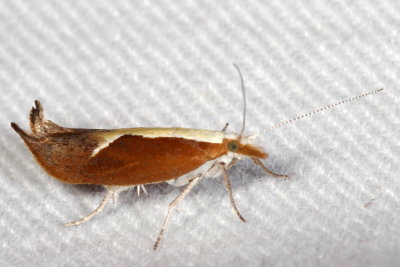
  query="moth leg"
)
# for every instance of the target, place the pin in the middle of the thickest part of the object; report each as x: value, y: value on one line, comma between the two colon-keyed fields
x: 225, y: 127
x: 172, y: 205
x: 233, y: 162
x: 138, y: 190
x: 259, y: 163
x: 144, y: 189
x: 229, y: 188
x: 141, y: 187
x: 112, y: 192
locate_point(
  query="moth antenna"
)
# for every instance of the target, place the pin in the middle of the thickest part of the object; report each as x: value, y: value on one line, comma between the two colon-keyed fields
x: 244, y: 100
x: 321, y: 109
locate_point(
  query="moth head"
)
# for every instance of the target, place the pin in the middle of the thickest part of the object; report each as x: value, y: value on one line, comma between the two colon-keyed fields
x: 243, y: 146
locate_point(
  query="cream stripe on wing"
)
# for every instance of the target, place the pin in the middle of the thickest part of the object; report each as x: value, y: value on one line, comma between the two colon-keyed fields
x: 191, y: 134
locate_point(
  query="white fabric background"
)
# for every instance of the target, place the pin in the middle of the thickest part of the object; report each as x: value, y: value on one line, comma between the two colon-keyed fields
x: 113, y: 64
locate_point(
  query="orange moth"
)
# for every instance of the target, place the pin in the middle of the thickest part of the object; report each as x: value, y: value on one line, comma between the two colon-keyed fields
x: 120, y: 159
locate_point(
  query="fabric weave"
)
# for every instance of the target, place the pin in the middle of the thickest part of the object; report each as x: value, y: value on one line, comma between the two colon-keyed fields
x: 128, y: 63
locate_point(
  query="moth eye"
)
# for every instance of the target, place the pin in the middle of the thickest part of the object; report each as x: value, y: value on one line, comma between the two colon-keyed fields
x: 233, y: 146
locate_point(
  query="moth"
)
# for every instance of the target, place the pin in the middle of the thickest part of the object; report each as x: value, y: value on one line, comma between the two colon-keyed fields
x: 120, y: 159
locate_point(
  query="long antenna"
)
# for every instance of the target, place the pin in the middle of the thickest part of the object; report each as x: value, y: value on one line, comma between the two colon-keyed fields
x: 244, y: 100
x: 321, y: 109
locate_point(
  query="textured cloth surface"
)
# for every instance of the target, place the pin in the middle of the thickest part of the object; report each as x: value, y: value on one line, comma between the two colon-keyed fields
x: 125, y: 63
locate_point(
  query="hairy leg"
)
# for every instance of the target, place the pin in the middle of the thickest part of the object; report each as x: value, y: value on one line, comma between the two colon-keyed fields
x: 172, y: 205
x: 112, y: 192
x: 261, y: 165
x: 229, y: 188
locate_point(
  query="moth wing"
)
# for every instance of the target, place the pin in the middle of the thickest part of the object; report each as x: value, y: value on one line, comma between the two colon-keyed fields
x: 134, y: 159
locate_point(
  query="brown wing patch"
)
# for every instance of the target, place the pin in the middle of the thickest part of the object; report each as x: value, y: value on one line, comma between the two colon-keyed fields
x: 133, y: 160
x: 129, y: 160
